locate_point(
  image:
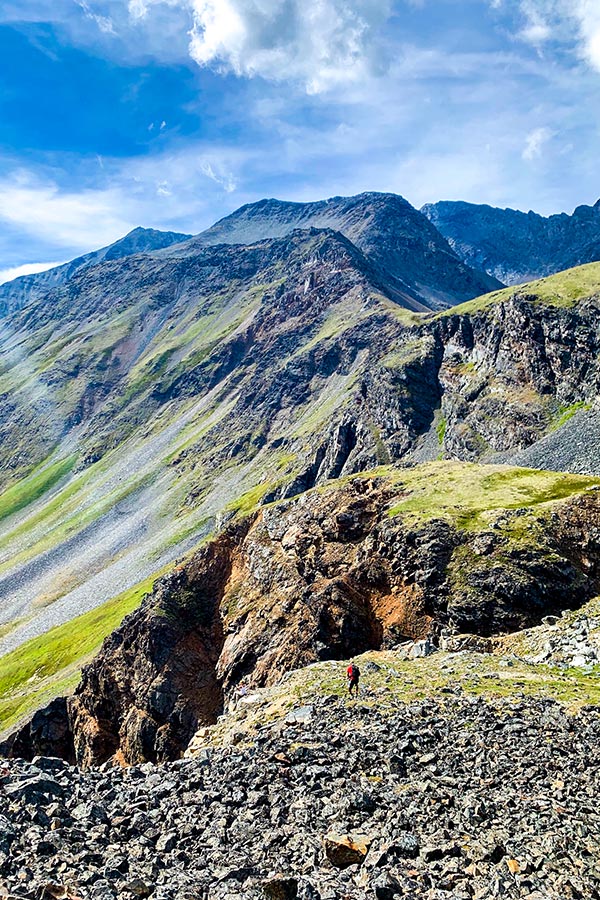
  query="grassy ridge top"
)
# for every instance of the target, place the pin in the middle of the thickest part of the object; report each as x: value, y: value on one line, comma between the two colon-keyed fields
x: 564, y: 290
x: 467, y: 492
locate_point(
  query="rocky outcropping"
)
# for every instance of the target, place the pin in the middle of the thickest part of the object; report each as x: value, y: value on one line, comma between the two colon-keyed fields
x: 324, y: 576
x: 457, y: 798
x: 156, y: 679
x: 47, y: 733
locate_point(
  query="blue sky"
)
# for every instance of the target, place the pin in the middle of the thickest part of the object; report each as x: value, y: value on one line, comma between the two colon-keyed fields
x: 172, y: 113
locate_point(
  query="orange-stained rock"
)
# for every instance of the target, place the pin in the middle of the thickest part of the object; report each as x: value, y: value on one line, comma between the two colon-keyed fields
x: 343, y: 850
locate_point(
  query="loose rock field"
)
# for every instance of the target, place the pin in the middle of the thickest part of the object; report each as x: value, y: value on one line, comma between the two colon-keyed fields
x: 447, y: 799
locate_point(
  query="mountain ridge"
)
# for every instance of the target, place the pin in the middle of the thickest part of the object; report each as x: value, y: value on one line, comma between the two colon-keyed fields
x: 384, y: 226
x: 21, y: 291
x: 515, y: 246
x: 243, y: 375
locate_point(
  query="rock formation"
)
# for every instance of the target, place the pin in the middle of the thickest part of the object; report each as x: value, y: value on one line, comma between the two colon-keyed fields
x: 327, y: 575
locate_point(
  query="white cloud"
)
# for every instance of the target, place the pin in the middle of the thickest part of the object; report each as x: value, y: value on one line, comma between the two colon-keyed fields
x: 104, y: 23
x: 78, y: 220
x: 318, y: 43
x: 178, y: 190
x: 27, y: 269
x: 225, y: 179
x: 564, y: 21
x: 588, y: 15
x: 534, y: 143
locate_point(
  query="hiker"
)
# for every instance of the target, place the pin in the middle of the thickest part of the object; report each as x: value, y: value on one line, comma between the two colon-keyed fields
x: 353, y: 674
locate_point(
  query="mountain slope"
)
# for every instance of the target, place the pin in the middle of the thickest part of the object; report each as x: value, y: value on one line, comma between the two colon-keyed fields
x: 153, y: 397
x: 391, y: 233
x: 516, y: 247
x: 21, y: 291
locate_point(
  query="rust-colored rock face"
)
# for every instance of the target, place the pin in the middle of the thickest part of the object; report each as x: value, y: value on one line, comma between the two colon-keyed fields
x: 155, y: 679
x: 324, y: 576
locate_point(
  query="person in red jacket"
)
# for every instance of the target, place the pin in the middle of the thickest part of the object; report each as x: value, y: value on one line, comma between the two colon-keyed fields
x: 353, y: 674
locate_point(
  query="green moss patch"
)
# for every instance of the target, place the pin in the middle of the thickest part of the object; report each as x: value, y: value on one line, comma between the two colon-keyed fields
x: 250, y: 499
x: 564, y: 413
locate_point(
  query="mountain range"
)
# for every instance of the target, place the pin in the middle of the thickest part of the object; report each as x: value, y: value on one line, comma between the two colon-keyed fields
x: 514, y: 246
x: 161, y: 396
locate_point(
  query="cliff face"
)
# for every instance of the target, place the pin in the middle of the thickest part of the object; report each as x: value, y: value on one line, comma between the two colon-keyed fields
x: 514, y: 246
x: 328, y: 575
x: 508, y: 374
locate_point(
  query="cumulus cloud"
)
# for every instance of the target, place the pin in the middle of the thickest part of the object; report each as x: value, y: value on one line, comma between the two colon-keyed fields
x: 319, y: 43
x: 534, y: 143
x: 588, y: 15
x: 564, y: 21
x: 27, y: 269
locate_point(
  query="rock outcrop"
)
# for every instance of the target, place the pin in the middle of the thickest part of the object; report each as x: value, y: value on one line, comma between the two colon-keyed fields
x: 327, y: 575
x: 48, y: 733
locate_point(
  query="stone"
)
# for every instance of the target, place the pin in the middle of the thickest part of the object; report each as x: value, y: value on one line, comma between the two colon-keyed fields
x: 281, y: 888
x: 344, y: 850
x: 137, y: 887
x: 386, y: 887
x: 35, y: 789
x: 301, y: 716
x: 421, y: 649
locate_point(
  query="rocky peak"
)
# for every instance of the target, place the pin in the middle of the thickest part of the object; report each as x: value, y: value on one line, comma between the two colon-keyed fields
x: 515, y: 246
x: 400, y: 241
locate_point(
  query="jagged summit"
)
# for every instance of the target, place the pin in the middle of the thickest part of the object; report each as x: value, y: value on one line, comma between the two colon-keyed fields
x: 514, y: 246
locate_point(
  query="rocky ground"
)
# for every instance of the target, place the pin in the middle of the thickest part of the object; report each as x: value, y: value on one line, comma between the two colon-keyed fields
x: 456, y: 797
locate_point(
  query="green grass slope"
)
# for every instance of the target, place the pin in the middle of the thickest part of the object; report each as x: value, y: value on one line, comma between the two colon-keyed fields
x: 49, y: 666
x: 470, y: 494
x: 563, y: 290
